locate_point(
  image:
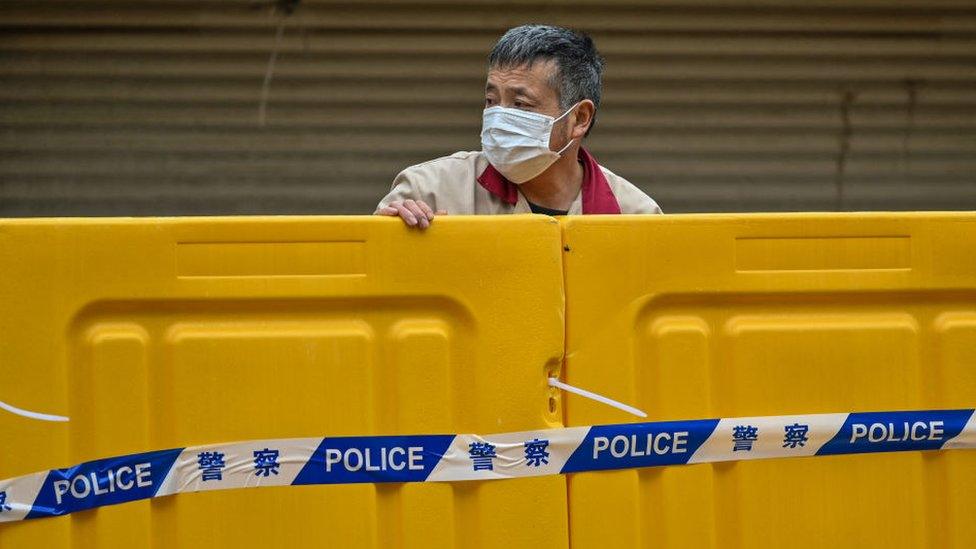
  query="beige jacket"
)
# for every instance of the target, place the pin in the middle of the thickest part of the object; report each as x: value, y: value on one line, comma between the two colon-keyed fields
x: 465, y: 183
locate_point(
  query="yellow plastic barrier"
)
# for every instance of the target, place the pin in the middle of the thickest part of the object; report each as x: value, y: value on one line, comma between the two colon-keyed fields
x: 736, y: 315
x: 162, y: 333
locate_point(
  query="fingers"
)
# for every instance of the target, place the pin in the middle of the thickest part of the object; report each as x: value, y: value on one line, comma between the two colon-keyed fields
x: 418, y: 213
x: 405, y: 214
x: 415, y: 213
x: 426, y: 209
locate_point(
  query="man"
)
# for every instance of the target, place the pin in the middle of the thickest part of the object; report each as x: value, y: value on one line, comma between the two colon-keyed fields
x: 541, y: 99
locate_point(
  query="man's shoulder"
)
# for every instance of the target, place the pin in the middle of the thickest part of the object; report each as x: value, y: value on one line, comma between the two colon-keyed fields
x: 631, y: 199
x: 445, y: 183
x: 460, y: 165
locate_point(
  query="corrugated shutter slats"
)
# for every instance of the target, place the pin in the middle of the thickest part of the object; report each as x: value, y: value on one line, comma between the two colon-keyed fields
x: 152, y: 107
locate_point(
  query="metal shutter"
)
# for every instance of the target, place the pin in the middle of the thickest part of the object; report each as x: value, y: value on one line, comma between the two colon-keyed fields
x: 127, y: 107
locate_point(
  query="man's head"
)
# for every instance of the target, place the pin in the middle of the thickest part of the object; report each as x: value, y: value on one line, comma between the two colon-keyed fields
x: 547, y: 70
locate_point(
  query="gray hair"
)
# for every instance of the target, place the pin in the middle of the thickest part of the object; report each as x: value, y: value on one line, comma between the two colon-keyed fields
x: 579, y: 67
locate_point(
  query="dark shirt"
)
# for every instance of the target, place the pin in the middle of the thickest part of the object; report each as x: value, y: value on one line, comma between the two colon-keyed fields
x: 546, y: 211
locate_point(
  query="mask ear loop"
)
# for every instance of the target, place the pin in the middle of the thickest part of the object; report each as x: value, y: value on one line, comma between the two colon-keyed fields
x: 554, y: 120
x: 560, y: 117
x: 560, y: 152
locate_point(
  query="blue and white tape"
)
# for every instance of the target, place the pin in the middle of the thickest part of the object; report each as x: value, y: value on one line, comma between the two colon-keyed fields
x: 447, y: 458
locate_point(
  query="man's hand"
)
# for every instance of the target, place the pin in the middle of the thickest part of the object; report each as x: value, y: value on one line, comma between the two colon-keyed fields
x: 415, y: 213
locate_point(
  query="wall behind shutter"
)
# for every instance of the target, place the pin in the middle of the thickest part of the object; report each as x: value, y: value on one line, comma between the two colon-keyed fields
x: 151, y: 107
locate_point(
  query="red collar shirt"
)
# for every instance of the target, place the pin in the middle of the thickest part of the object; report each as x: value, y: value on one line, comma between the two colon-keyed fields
x: 465, y: 184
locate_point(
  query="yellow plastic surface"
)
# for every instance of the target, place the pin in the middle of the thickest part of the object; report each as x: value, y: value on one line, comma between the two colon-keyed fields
x: 723, y: 316
x: 159, y: 333
x: 162, y: 333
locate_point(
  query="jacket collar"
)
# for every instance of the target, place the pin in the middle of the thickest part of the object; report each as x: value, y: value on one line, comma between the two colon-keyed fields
x: 597, y: 196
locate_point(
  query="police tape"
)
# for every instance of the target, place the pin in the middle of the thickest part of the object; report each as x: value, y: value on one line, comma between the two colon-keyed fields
x: 448, y: 458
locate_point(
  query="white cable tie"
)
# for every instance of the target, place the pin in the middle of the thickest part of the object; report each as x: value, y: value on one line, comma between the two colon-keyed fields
x: 31, y: 415
x: 553, y: 382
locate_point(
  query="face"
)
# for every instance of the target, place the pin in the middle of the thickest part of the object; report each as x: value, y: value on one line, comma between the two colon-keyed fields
x: 528, y: 88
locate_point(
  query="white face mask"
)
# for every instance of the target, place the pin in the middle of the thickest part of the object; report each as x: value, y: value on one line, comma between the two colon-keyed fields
x: 516, y: 142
